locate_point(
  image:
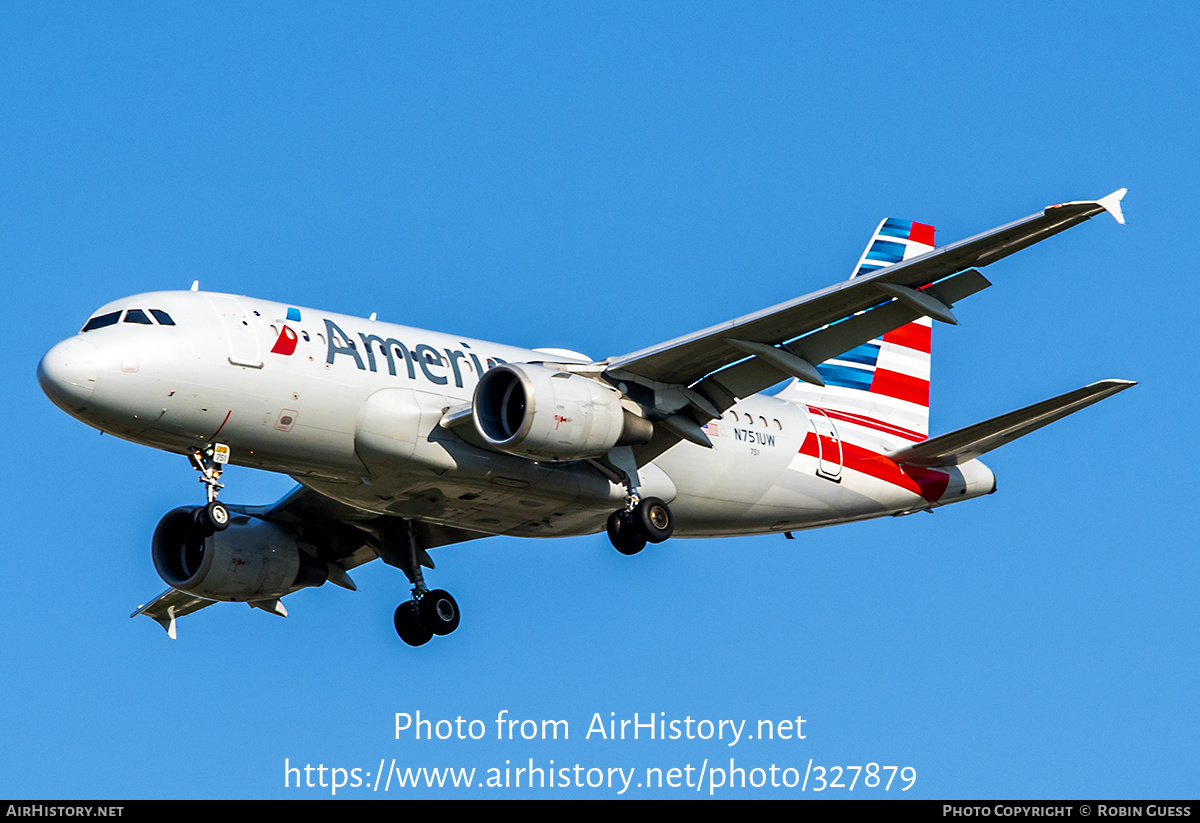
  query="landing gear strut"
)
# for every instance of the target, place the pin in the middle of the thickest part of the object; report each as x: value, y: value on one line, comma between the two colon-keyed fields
x: 213, y: 516
x: 431, y: 611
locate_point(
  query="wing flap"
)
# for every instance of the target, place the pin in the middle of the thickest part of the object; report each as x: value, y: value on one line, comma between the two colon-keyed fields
x: 970, y: 442
x: 756, y: 374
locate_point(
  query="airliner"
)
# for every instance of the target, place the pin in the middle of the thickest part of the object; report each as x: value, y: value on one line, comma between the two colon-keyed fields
x: 404, y: 440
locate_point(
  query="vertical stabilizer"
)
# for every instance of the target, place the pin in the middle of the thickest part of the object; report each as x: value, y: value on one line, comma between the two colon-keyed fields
x: 879, y: 391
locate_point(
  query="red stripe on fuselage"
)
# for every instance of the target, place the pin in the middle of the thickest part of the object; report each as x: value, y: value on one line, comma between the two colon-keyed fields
x: 872, y: 423
x: 926, y: 483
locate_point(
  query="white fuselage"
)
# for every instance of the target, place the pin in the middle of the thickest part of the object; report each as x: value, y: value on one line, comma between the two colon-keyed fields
x: 353, y: 408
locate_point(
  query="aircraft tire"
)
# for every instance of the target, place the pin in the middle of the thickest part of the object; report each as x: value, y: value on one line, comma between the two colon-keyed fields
x: 211, y: 518
x: 439, y: 611
x: 655, y: 519
x: 216, y: 516
x: 409, y: 626
x: 624, y: 534
x: 199, y: 524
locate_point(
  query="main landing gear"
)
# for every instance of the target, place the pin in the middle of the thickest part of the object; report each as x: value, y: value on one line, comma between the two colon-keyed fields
x: 213, y: 516
x: 648, y: 520
x: 644, y: 519
x: 431, y: 611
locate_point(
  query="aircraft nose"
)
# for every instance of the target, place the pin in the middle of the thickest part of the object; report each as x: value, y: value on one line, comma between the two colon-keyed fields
x: 67, y: 373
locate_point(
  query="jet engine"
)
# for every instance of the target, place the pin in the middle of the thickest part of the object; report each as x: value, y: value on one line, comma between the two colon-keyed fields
x: 547, y: 414
x: 252, y: 560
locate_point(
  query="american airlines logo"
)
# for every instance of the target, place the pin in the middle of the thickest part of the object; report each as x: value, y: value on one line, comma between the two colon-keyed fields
x: 286, y: 342
x: 421, y: 356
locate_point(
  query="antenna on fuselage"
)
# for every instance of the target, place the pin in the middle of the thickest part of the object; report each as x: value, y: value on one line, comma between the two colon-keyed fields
x: 373, y: 315
x: 195, y: 285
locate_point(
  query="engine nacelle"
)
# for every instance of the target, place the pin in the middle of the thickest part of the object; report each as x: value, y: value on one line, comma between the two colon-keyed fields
x: 248, y: 561
x: 547, y: 414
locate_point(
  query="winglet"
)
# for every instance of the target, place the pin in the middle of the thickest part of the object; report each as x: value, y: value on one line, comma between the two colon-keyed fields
x: 1112, y: 205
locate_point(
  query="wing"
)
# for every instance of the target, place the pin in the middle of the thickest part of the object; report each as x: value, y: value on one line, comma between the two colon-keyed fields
x: 331, y: 534
x: 791, y: 338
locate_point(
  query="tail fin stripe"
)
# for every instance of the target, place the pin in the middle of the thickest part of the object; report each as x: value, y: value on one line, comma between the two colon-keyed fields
x: 922, y: 233
x: 867, y: 354
x: 887, y: 251
x: 901, y: 386
x: 907, y: 361
x: 846, y: 377
x: 916, y: 336
x: 896, y: 228
x: 881, y: 386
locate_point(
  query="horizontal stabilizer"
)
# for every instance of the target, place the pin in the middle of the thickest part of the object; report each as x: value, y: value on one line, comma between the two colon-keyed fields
x: 958, y: 447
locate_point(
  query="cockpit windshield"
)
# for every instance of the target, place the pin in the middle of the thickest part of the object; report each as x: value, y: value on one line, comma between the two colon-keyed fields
x: 136, y: 316
x: 101, y: 320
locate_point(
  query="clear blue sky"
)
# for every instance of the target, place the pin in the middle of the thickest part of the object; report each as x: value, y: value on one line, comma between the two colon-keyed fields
x: 603, y: 177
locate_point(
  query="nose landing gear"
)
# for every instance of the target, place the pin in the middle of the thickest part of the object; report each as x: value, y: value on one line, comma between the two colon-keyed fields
x: 212, y: 517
